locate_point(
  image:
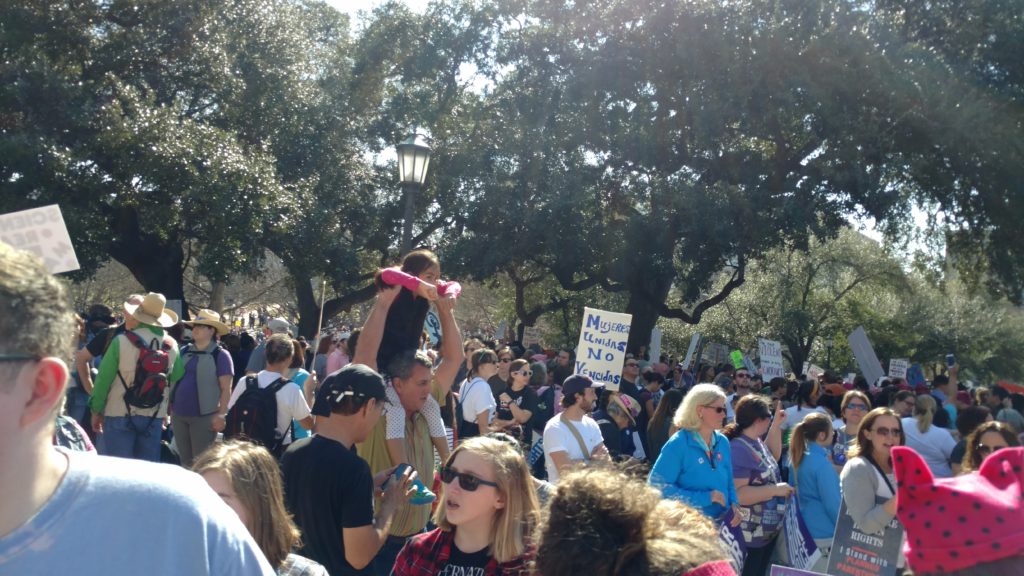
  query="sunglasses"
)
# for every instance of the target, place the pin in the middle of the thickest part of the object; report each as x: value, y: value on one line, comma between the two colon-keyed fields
x: 852, y: 406
x: 887, y: 432
x: 743, y: 375
x: 525, y: 372
x: 719, y: 409
x: 631, y: 364
x: 18, y: 357
x: 986, y: 450
x: 467, y: 482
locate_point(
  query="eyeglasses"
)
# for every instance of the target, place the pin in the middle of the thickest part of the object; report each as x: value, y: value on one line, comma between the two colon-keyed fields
x: 852, y: 406
x: 986, y: 450
x: 525, y: 372
x: 18, y: 357
x: 719, y: 409
x: 505, y: 360
x: 887, y: 432
x: 468, y: 482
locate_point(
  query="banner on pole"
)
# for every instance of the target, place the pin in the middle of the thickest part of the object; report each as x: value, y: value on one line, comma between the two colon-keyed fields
x: 601, y: 351
x: 770, y: 353
x: 867, y: 361
x: 41, y: 231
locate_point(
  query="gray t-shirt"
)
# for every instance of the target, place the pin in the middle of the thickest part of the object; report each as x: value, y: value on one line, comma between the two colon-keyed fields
x: 118, y: 516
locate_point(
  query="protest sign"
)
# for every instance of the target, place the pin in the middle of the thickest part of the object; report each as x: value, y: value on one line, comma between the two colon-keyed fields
x: 749, y: 364
x: 531, y: 335
x: 432, y: 324
x: 856, y: 553
x: 601, y: 351
x: 737, y: 359
x: 731, y: 539
x: 898, y: 367
x: 915, y: 375
x: 787, y: 571
x: 42, y: 232
x: 716, y: 353
x: 867, y: 361
x: 770, y: 353
x: 801, y: 551
x: 694, y: 340
x: 655, y: 347
x: 499, y: 333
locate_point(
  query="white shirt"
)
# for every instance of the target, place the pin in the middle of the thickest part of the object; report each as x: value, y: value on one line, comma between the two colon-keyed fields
x: 794, y: 416
x: 935, y: 446
x: 558, y: 438
x: 476, y: 397
x: 291, y: 403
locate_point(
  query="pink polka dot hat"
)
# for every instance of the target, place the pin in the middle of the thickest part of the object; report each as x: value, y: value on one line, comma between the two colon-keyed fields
x: 957, y: 523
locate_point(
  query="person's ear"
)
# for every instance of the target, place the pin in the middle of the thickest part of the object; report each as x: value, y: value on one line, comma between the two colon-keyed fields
x: 48, y: 379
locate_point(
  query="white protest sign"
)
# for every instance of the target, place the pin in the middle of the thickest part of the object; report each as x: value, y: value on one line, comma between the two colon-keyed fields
x: 694, y: 340
x: 601, y: 351
x: 42, y: 232
x: 867, y: 361
x: 531, y: 335
x: 770, y: 352
x: 655, y: 346
x: 898, y: 367
x: 499, y: 334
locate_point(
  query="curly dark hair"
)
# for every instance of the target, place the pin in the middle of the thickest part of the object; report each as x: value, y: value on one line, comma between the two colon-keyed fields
x: 604, y: 521
x: 974, y: 458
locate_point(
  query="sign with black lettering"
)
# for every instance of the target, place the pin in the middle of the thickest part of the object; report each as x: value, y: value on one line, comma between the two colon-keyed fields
x: 41, y: 231
x: 857, y: 553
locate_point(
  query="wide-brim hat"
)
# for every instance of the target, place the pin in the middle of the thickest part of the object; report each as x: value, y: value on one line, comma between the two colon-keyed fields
x: 209, y: 318
x: 153, y: 311
x: 628, y: 406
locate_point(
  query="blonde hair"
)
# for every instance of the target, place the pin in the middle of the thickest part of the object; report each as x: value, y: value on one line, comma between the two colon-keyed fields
x: 700, y: 395
x: 924, y: 411
x: 516, y: 519
x: 256, y: 480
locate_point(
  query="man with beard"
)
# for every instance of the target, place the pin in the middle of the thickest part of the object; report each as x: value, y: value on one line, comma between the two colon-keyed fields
x: 573, y: 436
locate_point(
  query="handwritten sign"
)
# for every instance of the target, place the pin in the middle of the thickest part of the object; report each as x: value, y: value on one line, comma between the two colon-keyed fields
x: 531, y: 335
x: 716, y: 353
x: 41, y: 231
x: 856, y: 553
x: 770, y: 352
x: 601, y: 351
x: 898, y: 367
x: 867, y: 361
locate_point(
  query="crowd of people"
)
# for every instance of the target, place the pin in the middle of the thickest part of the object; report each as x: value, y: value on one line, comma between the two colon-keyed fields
x: 369, y: 452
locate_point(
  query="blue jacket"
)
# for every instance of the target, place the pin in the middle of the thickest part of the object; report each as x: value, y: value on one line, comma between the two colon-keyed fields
x: 818, y: 489
x: 684, y: 472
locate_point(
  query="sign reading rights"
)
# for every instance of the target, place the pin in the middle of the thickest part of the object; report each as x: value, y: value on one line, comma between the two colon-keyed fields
x: 602, y: 347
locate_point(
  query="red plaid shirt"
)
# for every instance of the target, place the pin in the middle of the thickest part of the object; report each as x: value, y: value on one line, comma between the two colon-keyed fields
x: 426, y: 554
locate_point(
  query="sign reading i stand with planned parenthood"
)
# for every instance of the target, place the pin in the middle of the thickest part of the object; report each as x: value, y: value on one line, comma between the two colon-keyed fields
x: 602, y: 347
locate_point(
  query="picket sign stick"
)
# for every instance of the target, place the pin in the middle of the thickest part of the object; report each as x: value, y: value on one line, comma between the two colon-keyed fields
x: 319, y: 327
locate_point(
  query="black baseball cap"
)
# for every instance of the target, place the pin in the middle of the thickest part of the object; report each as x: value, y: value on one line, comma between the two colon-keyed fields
x: 578, y: 383
x: 356, y: 380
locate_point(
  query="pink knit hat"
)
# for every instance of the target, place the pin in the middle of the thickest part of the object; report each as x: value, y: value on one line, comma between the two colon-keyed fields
x: 956, y: 523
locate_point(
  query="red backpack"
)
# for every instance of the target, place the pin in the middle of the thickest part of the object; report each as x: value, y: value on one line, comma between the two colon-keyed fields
x: 147, y: 388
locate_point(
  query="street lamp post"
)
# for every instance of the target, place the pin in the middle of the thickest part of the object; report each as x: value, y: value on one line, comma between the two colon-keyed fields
x: 413, y: 162
x: 828, y: 357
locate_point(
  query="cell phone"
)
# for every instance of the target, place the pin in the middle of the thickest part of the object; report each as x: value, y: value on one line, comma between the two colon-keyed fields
x: 950, y: 360
x: 395, y: 475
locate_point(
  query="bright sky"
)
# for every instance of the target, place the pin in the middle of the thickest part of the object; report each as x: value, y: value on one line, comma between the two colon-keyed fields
x: 354, y: 6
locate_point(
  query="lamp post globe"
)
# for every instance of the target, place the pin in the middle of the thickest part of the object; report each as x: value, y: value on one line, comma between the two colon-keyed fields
x: 413, y: 163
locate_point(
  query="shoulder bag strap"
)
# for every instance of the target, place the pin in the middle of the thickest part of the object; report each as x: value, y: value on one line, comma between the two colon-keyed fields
x: 882, y: 474
x: 576, y: 434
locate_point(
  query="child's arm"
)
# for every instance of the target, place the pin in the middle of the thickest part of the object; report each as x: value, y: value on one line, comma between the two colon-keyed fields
x: 395, y: 276
x: 394, y: 429
x: 446, y: 288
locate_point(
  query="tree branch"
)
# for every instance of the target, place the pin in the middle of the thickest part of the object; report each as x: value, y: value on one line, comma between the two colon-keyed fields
x: 694, y: 317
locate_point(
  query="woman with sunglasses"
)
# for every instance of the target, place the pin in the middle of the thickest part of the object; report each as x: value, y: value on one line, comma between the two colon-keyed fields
x: 516, y: 403
x: 986, y: 439
x: 487, y: 509
x: 854, y: 406
x: 695, y: 465
x: 760, y: 491
x: 934, y: 444
x: 868, y: 473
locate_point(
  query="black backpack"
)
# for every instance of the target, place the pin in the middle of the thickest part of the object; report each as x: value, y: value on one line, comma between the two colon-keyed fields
x: 254, y: 415
x: 147, y: 387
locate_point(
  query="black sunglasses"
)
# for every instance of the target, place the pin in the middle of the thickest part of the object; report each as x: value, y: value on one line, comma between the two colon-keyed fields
x: 719, y: 409
x: 19, y: 358
x: 986, y: 450
x: 468, y: 482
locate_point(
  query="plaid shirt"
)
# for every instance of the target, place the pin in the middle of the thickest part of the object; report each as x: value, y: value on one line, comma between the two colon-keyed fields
x: 426, y: 554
